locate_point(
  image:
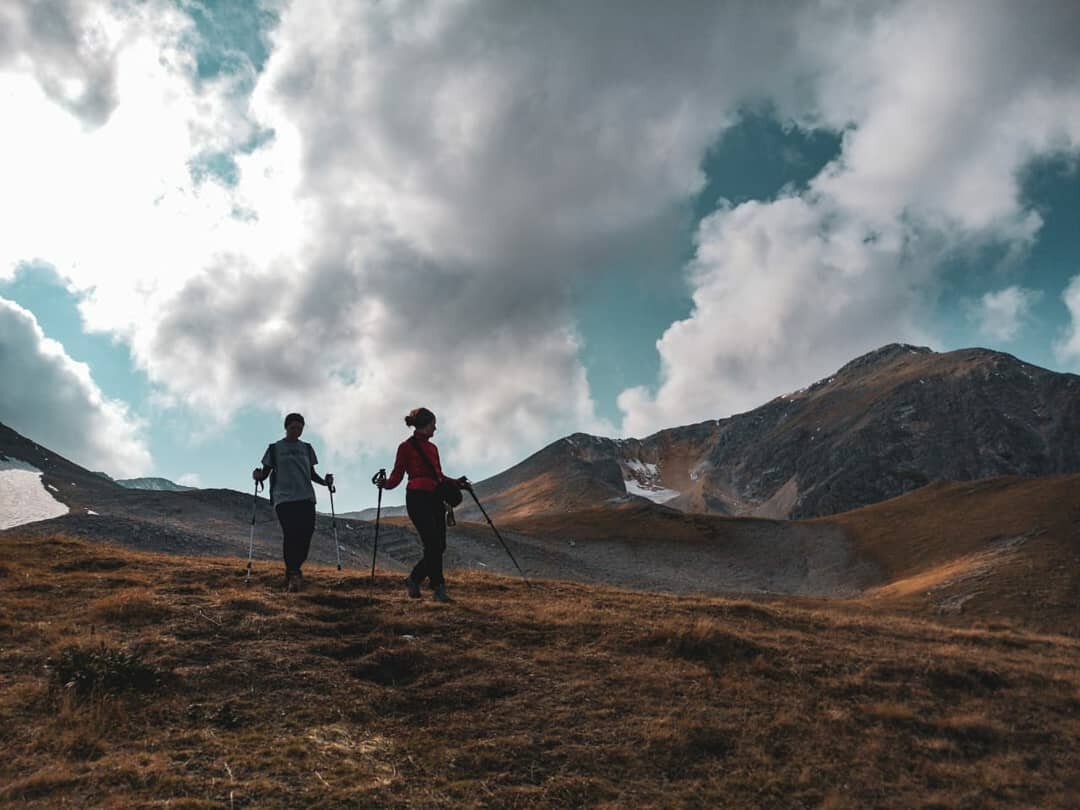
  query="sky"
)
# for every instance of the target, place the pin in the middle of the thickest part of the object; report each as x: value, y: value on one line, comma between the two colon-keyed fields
x: 534, y: 219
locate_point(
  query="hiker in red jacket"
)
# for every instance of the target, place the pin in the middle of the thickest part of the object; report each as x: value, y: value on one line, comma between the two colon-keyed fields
x: 418, y: 457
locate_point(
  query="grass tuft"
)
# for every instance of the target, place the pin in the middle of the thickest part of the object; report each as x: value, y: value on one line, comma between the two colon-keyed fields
x: 710, y: 642
x: 966, y: 678
x: 96, y: 670
x: 131, y: 606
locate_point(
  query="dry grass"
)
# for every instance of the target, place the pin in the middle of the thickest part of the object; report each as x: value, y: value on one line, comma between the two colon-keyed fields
x: 351, y: 695
x: 1002, y: 550
x: 130, y: 607
x: 632, y: 521
x: 946, y: 520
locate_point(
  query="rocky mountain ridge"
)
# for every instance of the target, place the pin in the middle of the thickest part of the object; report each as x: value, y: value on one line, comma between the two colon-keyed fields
x: 884, y: 424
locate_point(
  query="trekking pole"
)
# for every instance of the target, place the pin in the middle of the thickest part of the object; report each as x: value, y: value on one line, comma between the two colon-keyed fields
x: 506, y: 548
x: 377, y: 480
x: 251, y: 539
x: 333, y: 525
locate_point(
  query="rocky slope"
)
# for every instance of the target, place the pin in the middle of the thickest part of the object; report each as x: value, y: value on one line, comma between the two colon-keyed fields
x: 884, y: 424
x: 74, y: 485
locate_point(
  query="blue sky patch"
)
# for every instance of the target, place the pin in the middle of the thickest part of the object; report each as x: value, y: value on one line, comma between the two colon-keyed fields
x: 624, y: 309
x: 232, y: 35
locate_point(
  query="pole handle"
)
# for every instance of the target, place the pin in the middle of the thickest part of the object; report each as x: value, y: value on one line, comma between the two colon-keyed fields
x: 255, y: 501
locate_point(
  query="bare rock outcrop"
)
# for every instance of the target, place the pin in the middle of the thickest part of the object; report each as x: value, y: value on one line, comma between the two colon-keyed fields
x: 886, y: 423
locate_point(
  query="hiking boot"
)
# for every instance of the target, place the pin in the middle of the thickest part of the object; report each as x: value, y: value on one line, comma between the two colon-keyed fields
x: 414, y: 588
x: 441, y: 594
x: 292, y: 582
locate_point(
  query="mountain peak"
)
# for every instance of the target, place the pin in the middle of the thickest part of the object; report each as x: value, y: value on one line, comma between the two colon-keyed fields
x: 884, y: 354
x: 887, y: 422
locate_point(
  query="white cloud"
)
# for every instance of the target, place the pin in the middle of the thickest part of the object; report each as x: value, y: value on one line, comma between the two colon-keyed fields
x: 52, y: 399
x: 784, y: 293
x: 334, y: 288
x: 1000, y: 315
x: 942, y: 105
x: 113, y: 207
x: 439, y: 172
x: 1067, y: 348
x: 192, y: 479
x: 414, y: 246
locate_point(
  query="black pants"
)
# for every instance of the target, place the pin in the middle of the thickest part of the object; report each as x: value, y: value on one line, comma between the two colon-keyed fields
x: 428, y: 515
x: 297, y: 519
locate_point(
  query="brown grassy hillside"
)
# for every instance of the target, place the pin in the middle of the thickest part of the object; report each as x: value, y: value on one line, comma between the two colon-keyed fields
x: 135, y: 680
x: 635, y: 520
x: 999, y: 551
x: 1006, y: 548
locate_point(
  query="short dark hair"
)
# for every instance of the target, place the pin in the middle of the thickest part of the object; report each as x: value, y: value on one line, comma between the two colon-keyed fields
x: 294, y: 417
x: 419, y: 418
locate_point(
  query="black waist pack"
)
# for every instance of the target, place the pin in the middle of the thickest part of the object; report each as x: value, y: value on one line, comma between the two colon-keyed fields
x: 449, y: 492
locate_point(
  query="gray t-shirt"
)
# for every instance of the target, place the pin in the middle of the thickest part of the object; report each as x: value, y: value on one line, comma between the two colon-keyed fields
x: 292, y: 464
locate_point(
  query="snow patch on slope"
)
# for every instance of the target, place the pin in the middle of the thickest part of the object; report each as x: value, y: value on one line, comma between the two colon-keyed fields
x: 656, y: 495
x: 643, y: 468
x: 23, y: 498
x: 643, y: 478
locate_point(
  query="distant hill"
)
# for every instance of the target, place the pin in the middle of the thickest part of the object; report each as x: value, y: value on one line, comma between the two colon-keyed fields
x: 155, y: 484
x: 185, y: 520
x: 369, y: 514
x: 886, y: 423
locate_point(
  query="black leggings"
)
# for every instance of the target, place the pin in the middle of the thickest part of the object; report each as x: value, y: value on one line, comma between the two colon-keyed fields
x: 297, y: 519
x: 428, y: 515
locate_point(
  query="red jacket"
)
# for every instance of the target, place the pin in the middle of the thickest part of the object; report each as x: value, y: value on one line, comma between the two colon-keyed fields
x: 409, y: 461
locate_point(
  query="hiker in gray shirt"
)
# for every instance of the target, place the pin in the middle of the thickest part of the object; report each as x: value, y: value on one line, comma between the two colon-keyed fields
x: 290, y: 464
